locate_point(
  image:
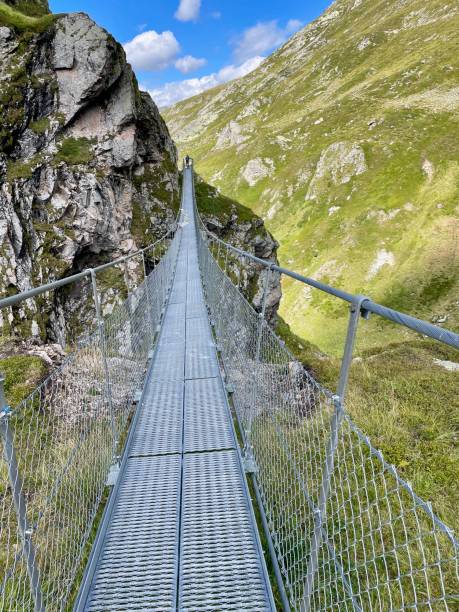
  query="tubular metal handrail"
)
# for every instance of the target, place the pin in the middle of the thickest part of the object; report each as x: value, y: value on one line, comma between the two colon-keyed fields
x: 35, y: 291
x: 423, y: 327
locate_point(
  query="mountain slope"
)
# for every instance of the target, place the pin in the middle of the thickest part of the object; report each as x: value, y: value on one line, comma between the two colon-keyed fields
x: 346, y: 142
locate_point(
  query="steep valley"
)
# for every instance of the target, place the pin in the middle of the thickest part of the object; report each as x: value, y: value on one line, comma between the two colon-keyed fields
x: 88, y: 174
x: 345, y: 141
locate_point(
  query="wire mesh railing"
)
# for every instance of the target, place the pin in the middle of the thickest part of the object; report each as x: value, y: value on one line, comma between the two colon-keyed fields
x: 345, y: 530
x: 60, y: 445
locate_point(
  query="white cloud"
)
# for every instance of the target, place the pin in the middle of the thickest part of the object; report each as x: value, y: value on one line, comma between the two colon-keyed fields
x: 170, y: 93
x: 142, y: 26
x: 152, y: 51
x: 293, y: 25
x: 263, y: 37
x: 188, y: 10
x: 228, y: 73
x: 188, y: 63
x: 216, y: 15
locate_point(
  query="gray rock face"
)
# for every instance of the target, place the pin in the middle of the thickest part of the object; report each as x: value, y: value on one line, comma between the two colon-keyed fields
x: 339, y: 163
x: 87, y: 168
x: 8, y: 43
x: 87, y: 61
x: 250, y: 236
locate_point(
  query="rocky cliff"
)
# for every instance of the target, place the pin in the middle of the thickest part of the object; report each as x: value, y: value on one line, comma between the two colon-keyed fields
x: 240, y: 227
x: 87, y: 167
x: 346, y: 142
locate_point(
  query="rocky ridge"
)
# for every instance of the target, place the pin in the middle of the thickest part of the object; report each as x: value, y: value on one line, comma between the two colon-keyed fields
x: 87, y: 167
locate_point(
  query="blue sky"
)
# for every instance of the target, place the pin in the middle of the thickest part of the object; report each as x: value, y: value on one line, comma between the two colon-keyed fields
x: 181, y: 47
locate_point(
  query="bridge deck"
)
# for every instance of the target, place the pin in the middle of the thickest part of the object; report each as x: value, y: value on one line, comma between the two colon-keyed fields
x: 180, y: 534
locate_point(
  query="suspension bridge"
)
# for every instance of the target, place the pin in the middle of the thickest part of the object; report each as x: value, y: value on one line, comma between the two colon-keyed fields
x: 131, y: 479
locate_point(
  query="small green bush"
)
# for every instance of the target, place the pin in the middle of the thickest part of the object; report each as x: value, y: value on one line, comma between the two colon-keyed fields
x: 40, y: 125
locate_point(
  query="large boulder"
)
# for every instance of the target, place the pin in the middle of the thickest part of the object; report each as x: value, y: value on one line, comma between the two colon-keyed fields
x: 87, y: 169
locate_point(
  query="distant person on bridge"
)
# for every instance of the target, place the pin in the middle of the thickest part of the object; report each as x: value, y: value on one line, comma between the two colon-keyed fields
x: 187, y: 161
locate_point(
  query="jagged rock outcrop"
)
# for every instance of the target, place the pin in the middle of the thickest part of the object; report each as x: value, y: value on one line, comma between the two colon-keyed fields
x: 87, y: 167
x: 338, y: 164
x: 240, y: 227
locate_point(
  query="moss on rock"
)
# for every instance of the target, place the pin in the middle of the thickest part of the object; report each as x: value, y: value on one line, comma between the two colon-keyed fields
x: 75, y: 151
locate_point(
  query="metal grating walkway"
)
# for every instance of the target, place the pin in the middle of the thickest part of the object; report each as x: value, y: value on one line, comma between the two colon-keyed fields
x: 179, y: 532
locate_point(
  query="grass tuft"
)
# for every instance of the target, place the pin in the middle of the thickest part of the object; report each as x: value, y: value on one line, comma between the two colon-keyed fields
x: 22, y: 373
x: 40, y: 126
x: 74, y: 151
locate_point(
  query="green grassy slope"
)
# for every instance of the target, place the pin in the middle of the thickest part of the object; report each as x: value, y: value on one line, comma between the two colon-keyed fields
x: 346, y: 142
x: 27, y: 16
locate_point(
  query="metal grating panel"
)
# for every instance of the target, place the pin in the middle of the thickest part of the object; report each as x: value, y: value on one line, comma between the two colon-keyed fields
x: 159, y: 428
x: 195, y: 294
x: 173, y: 328
x: 194, y: 273
x: 169, y: 361
x: 175, y: 312
x: 207, y: 420
x: 137, y: 567
x: 178, y: 293
x: 173, y: 333
x: 201, y: 362
x: 220, y: 568
x: 198, y: 332
x: 195, y: 310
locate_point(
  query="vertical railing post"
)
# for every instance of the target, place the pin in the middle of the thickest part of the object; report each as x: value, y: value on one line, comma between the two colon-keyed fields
x: 147, y: 289
x: 239, y: 266
x: 25, y: 532
x: 157, y: 298
x: 262, y: 314
x: 126, y: 277
x: 103, y: 348
x: 356, y: 310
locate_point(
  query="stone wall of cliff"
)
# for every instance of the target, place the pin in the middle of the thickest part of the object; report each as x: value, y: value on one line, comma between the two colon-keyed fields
x: 239, y: 226
x: 87, y: 167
